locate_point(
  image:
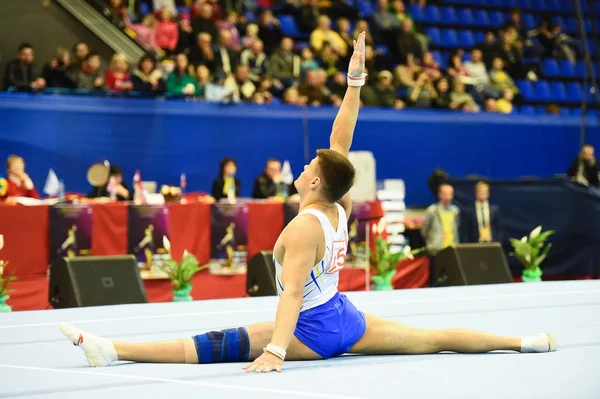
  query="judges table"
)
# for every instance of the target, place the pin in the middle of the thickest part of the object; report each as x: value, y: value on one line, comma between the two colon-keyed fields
x: 35, y: 236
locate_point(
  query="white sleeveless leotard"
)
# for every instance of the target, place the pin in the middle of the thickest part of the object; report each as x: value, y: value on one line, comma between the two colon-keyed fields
x: 322, y: 284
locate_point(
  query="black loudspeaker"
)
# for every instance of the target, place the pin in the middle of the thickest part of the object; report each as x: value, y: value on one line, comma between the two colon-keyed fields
x: 472, y: 264
x: 95, y: 281
x: 260, y: 277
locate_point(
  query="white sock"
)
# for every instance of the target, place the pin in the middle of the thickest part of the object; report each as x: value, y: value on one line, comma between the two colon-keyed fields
x: 542, y: 342
x: 100, y: 352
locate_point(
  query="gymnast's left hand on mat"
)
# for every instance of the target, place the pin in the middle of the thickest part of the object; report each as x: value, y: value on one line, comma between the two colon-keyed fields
x: 265, y: 363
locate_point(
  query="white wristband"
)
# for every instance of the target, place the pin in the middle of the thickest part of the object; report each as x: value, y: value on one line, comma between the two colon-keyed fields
x: 275, y: 350
x: 356, y: 82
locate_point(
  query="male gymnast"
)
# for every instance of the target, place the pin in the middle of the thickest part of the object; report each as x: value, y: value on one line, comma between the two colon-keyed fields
x: 313, y: 320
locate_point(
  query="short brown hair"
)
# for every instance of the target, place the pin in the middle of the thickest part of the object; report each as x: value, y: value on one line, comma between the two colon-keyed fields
x: 12, y: 159
x: 337, y: 173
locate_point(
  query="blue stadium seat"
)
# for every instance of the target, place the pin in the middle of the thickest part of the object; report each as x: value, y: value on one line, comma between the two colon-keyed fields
x: 365, y: 8
x: 496, y: 18
x: 576, y: 112
x: 542, y: 91
x: 288, y: 25
x: 434, y: 35
x: 574, y: 92
x: 383, y: 49
x: 481, y: 18
x: 567, y: 69
x: 580, y: 69
x: 558, y: 91
x: 565, y: 111
x: 466, y: 39
x: 479, y: 37
x: 465, y: 16
x: 526, y: 89
x: 560, y: 21
x: 550, y: 68
x: 448, y: 38
x: 566, y: 6
x: 527, y: 110
x: 449, y: 15
x: 529, y: 21
x: 432, y: 14
x: 417, y: 12
x: 571, y: 26
x: 525, y: 4
x: 183, y: 10
x: 538, y: 5
x: 541, y: 109
x: 145, y: 9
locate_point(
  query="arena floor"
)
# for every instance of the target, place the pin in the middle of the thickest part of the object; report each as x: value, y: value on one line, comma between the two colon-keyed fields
x: 37, y: 361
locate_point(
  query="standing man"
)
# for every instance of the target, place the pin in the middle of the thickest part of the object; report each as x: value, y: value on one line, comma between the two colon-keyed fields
x: 482, y: 219
x: 440, y: 227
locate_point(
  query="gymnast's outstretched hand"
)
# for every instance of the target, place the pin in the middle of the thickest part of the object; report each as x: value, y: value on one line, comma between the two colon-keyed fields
x: 265, y: 363
x: 356, y: 67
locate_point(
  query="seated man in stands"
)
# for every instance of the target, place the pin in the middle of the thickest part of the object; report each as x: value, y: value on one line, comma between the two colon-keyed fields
x: 584, y: 168
x: 267, y: 184
x: 116, y: 184
x: 18, y: 183
x: 21, y: 72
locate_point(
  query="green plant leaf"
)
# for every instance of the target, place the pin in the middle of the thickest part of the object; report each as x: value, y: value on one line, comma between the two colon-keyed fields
x: 538, y: 261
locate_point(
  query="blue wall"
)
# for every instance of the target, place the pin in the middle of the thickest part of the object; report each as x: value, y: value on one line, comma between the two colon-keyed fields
x: 166, y: 138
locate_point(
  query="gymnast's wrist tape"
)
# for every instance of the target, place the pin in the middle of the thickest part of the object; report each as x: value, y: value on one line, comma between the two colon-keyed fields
x: 356, y: 82
x: 227, y: 346
x: 275, y: 350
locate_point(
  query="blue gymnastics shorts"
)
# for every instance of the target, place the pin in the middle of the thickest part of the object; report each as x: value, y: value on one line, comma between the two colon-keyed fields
x: 332, y: 328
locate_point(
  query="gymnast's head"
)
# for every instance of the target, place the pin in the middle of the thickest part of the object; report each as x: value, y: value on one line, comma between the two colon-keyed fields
x: 328, y: 177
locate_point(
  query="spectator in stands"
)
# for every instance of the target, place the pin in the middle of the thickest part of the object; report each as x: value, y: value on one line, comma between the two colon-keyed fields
x: 147, y: 78
x: 337, y: 9
x: 269, y: 31
x: 226, y: 183
x: 324, y: 33
x: 516, y: 21
x: 329, y: 60
x: 489, y: 48
x: 384, y: 21
x: 386, y: 92
x: 477, y: 70
x: 256, y: 61
x: 343, y: 31
x: 443, y: 99
x: 21, y: 72
x: 240, y: 84
x: 584, y: 168
x: 91, y: 74
x: 180, y: 82
x: 368, y: 93
x: 267, y: 184
x: 116, y: 13
x: 227, y: 57
x: 313, y: 88
x: 553, y: 109
x: 375, y: 60
x: 422, y: 94
x: 461, y: 98
x: 308, y: 62
x: 17, y: 183
x: 490, y: 105
x: 362, y: 25
x: 203, y: 77
x: 203, y: 53
x: 117, y: 77
x: 511, y: 55
x: 440, y: 227
x: 251, y: 35
x: 499, y: 79
x: 80, y: 53
x: 308, y: 15
x: 204, y: 22
x: 216, y: 91
x: 407, y: 42
x: 230, y: 25
x: 57, y: 73
x: 187, y: 40
x: 407, y: 73
x: 481, y: 222
x: 167, y: 32
x: 291, y: 96
x: 430, y: 66
x: 121, y: 190
x: 146, y: 32
x: 284, y: 65
x: 564, y: 44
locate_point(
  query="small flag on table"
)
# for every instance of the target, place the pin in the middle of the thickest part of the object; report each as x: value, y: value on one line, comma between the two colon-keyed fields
x: 52, y: 185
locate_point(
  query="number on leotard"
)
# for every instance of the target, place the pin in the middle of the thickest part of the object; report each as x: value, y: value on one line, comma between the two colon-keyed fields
x: 338, y: 257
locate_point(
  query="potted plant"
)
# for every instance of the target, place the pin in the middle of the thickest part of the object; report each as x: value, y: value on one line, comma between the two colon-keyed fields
x: 180, y: 273
x: 530, y: 251
x: 384, y: 263
x: 4, y: 307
